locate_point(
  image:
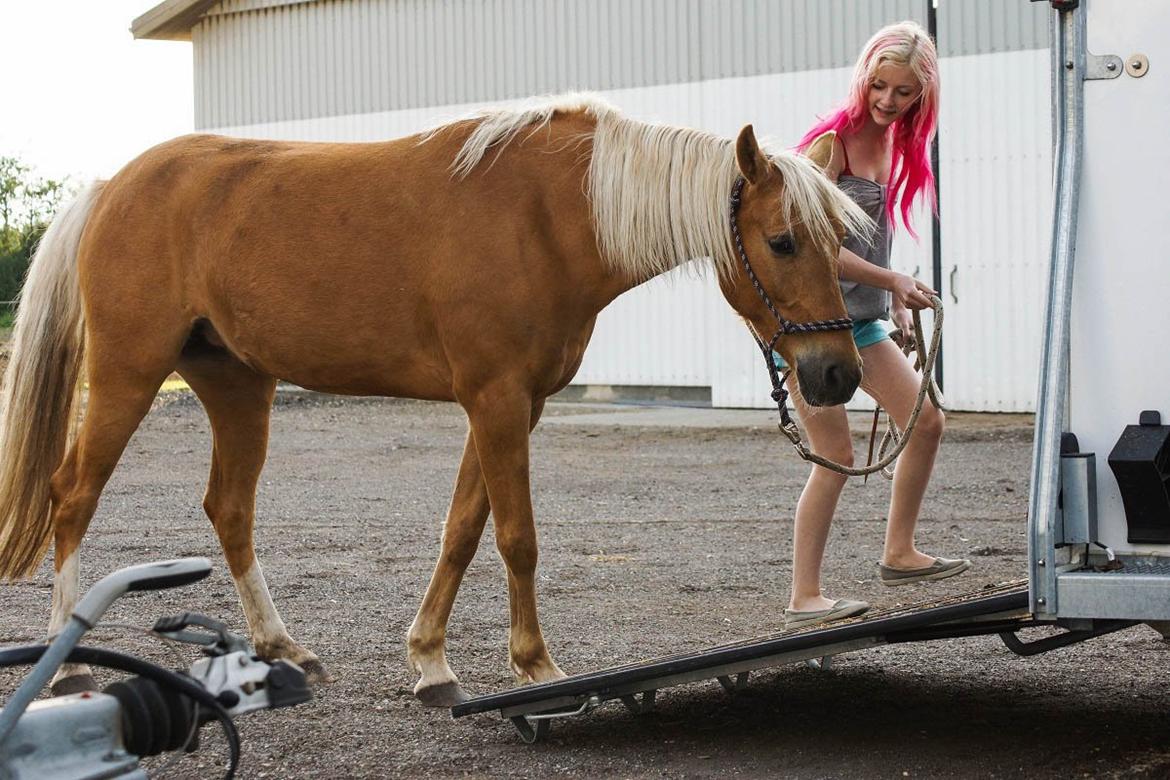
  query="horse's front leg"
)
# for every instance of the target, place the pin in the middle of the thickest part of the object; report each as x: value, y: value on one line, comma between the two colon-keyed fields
x: 438, y: 686
x: 425, y: 642
x: 500, y: 424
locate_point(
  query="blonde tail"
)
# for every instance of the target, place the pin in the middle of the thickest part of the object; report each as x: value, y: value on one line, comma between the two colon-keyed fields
x: 40, y: 388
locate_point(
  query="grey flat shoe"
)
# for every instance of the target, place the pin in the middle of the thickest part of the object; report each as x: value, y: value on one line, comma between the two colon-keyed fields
x: 841, y: 609
x: 939, y: 570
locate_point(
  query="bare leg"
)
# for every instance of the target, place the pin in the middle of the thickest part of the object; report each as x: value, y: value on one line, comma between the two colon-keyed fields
x: 438, y: 685
x: 891, y: 380
x: 828, y: 433
x: 238, y: 402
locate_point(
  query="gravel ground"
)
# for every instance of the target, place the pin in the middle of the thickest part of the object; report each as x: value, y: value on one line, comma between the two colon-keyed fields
x: 654, y: 540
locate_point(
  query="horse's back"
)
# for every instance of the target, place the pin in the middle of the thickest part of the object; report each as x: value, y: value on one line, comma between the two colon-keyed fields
x: 334, y: 265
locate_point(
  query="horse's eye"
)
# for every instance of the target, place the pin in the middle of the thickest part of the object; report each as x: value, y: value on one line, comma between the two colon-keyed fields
x: 782, y: 245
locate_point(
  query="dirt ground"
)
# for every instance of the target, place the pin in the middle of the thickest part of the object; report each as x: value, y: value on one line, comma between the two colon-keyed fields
x: 654, y: 540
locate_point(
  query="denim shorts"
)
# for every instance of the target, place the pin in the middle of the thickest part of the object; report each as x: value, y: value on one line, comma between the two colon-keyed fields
x: 866, y: 333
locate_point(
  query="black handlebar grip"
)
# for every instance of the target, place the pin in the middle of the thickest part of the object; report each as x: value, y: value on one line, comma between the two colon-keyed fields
x: 170, y: 579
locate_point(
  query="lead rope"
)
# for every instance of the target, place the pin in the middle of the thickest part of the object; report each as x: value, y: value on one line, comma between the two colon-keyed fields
x: 780, y: 394
x: 900, y: 440
x: 891, y: 433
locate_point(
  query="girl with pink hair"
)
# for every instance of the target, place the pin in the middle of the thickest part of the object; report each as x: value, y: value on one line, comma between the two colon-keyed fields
x: 881, y: 160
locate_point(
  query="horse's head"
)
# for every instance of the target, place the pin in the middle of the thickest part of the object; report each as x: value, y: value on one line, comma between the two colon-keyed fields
x: 791, y: 221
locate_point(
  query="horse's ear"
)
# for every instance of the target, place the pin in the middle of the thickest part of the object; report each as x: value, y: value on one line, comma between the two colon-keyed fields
x: 752, y: 163
x: 821, y: 150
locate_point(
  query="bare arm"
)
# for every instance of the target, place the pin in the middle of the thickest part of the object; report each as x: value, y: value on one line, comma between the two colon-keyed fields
x: 907, y: 292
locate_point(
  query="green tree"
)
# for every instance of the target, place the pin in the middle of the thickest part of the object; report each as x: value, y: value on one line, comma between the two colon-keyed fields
x: 27, y: 203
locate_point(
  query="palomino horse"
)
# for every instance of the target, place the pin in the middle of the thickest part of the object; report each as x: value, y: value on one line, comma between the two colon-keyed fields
x: 466, y: 265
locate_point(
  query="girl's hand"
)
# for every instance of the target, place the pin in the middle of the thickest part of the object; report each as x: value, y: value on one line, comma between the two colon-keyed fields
x: 910, y: 293
x: 904, y: 321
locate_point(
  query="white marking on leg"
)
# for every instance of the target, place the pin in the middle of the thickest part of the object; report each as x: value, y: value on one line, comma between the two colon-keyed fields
x: 263, y: 619
x: 431, y: 665
x: 65, y: 586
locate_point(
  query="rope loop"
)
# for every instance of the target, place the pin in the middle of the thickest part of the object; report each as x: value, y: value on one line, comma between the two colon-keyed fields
x: 927, y: 387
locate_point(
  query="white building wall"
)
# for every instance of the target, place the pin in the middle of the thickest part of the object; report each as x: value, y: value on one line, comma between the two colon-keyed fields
x: 995, y: 160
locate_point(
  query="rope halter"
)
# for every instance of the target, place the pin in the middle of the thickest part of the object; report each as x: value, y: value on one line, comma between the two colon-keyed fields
x: 784, y: 325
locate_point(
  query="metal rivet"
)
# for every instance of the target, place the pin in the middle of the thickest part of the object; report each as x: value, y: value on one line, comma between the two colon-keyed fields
x: 1068, y: 65
x: 1040, y: 562
x: 1111, y: 66
x: 1136, y: 64
x: 1041, y: 601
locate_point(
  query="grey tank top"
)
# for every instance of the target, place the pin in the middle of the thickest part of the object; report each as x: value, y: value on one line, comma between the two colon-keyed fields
x: 862, y: 301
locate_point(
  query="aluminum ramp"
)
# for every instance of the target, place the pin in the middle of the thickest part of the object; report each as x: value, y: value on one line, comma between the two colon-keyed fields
x: 999, y: 610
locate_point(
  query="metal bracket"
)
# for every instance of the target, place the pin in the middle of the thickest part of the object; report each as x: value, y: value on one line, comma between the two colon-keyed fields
x: 1013, y: 643
x: 822, y: 664
x: 1104, y: 66
x: 530, y: 732
x: 533, y: 728
x: 738, y: 684
x: 253, y: 683
x: 638, y: 707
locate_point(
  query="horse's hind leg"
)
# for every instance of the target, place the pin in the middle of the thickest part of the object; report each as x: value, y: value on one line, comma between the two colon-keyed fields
x: 438, y: 686
x: 238, y: 401
x: 119, y: 397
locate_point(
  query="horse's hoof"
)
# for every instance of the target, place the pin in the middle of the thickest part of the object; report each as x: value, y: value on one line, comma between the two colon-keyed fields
x: 315, y: 672
x: 549, y: 672
x: 446, y: 694
x: 74, y: 683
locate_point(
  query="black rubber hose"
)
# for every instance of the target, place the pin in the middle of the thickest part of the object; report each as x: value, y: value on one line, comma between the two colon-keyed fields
x: 152, y: 729
x: 111, y: 659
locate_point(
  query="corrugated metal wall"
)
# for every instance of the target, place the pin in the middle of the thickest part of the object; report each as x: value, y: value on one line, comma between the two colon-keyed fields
x: 362, y: 56
x: 995, y: 151
x: 996, y: 164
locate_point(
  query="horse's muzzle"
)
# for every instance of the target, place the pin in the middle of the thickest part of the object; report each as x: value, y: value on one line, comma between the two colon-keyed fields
x: 827, y: 382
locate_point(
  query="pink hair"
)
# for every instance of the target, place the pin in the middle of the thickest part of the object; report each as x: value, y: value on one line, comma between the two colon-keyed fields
x: 906, y: 44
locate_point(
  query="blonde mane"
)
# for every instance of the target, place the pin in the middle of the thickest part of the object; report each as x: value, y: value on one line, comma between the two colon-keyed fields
x: 660, y: 193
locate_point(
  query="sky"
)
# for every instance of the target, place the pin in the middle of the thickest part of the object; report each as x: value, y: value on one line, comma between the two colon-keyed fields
x: 79, y: 97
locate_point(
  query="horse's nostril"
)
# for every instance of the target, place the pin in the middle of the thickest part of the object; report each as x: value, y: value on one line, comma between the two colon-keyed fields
x: 827, y: 383
x: 839, y: 380
x: 833, y: 378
